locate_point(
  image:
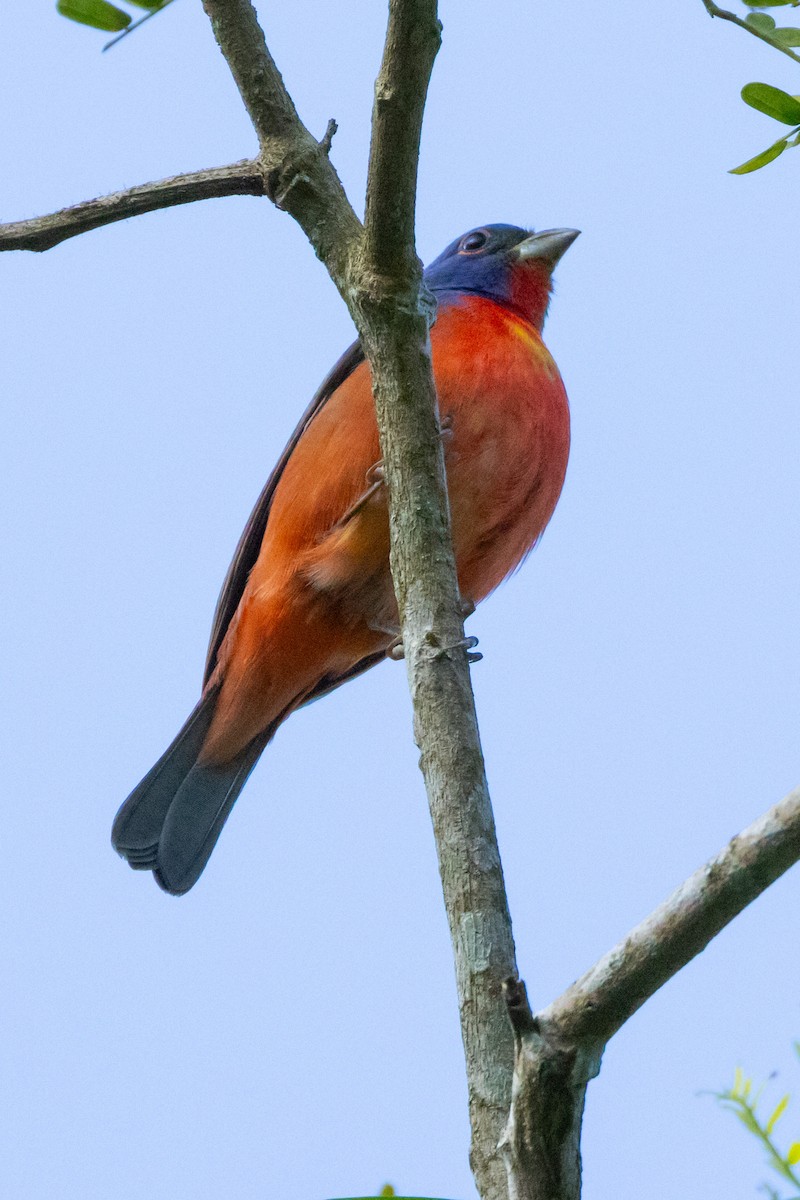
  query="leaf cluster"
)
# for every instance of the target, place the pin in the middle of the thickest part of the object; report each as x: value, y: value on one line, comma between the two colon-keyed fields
x: 781, y: 107
x: 785, y: 36
x: 743, y: 1102
x: 770, y: 100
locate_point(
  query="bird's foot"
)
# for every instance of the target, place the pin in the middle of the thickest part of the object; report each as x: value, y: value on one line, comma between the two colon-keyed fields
x: 465, y: 643
x: 396, y: 650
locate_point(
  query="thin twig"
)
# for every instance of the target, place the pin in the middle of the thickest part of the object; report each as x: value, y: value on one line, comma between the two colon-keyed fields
x: 326, y: 142
x: 715, y: 11
x: 42, y: 233
x: 137, y: 24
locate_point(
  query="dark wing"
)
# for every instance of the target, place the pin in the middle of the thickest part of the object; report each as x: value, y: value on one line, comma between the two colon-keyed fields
x: 250, y: 542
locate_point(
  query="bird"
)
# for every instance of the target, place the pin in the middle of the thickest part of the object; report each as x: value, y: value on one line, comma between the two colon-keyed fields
x: 308, y: 603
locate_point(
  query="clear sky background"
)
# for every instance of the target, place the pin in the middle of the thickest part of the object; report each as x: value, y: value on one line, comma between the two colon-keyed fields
x: 288, y: 1031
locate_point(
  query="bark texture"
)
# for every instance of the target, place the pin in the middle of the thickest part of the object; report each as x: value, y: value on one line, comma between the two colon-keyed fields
x: 42, y: 233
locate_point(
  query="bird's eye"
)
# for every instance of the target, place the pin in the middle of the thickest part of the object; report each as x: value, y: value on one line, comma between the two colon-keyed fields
x: 471, y: 243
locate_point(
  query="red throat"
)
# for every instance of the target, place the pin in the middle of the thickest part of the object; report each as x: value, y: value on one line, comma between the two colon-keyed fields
x: 531, y: 285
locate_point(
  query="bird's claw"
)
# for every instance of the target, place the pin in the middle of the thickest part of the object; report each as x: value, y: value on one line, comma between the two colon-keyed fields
x: 469, y: 644
x: 396, y: 650
x: 465, y: 643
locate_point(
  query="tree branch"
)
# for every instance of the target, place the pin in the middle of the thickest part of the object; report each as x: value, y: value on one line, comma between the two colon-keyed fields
x: 413, y: 38
x: 715, y: 11
x: 426, y: 585
x: 605, y: 997
x: 299, y: 175
x: 42, y: 233
x: 378, y: 274
x: 559, y: 1050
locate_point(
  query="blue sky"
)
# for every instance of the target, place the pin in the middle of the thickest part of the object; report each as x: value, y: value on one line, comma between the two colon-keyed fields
x: 288, y: 1031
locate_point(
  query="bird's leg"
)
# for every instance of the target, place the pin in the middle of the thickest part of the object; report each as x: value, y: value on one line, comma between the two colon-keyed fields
x: 467, y: 607
x: 396, y: 650
x: 376, y: 478
x: 375, y: 481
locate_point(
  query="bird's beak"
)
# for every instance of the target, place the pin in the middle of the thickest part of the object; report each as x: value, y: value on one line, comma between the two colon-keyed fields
x: 546, y: 247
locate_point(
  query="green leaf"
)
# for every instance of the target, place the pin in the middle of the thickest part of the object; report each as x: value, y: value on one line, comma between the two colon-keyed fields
x: 766, y: 3
x: 793, y: 1155
x: 772, y: 101
x: 760, y: 160
x: 787, y: 36
x: 761, y: 22
x: 151, y: 4
x: 97, y: 13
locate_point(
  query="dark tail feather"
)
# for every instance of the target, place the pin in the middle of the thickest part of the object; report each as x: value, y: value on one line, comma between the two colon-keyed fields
x: 170, y: 823
x: 138, y: 824
x: 195, y: 818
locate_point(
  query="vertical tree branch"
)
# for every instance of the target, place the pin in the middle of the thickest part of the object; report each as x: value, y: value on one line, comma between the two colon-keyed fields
x: 541, y: 1143
x: 378, y: 274
x: 426, y: 585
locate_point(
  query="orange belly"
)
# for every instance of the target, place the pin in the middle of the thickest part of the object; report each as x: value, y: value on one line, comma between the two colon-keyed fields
x: 319, y: 598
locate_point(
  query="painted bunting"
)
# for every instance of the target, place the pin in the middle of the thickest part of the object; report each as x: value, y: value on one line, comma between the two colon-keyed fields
x: 308, y: 602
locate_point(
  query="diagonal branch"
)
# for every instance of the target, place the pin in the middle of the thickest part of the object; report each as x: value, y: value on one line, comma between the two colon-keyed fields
x: 42, y: 233
x: 299, y: 175
x: 715, y: 11
x: 605, y: 997
x: 558, y: 1051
